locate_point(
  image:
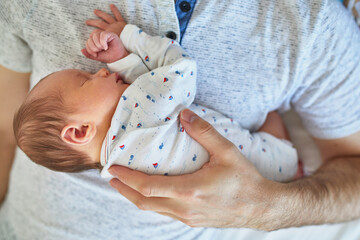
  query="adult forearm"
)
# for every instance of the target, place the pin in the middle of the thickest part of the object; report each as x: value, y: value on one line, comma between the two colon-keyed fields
x: 229, y: 192
x: 330, y: 195
x: 13, y: 89
x: 7, y: 149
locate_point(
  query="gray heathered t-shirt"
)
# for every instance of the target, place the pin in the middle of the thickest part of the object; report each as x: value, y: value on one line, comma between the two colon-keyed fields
x: 253, y: 57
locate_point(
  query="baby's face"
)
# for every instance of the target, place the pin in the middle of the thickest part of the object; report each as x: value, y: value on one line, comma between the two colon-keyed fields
x: 93, y: 96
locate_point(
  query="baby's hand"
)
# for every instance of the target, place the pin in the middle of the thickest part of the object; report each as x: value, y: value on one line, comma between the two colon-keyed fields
x: 108, y: 22
x: 104, y: 46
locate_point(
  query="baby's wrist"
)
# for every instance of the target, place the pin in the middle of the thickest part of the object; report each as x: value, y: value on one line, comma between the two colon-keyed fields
x: 123, y: 54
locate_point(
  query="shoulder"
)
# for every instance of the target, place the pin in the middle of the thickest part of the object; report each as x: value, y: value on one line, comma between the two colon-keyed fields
x: 14, y: 13
x: 302, y: 17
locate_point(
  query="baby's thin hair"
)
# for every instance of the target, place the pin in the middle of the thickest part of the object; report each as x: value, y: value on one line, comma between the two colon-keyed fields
x: 37, y: 127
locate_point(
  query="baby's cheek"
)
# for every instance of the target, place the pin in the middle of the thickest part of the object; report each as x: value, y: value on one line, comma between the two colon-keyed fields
x: 112, y: 97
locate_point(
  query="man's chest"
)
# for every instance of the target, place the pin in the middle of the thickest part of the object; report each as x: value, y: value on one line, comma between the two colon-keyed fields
x: 241, y: 73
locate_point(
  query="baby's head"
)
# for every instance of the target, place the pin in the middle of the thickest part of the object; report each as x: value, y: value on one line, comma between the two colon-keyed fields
x: 65, y: 117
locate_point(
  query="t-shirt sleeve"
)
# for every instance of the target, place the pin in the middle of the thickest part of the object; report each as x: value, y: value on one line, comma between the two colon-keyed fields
x: 328, y: 98
x: 15, y: 53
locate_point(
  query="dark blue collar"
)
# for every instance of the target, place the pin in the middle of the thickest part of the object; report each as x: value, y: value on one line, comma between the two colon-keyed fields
x: 184, y: 9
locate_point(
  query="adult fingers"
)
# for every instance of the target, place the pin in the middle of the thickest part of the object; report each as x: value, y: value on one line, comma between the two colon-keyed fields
x: 157, y: 204
x: 204, y: 133
x: 172, y: 216
x: 106, y: 17
x: 116, y: 13
x: 191, y: 218
x: 95, y: 31
x: 97, y: 23
x: 190, y: 222
x: 155, y: 185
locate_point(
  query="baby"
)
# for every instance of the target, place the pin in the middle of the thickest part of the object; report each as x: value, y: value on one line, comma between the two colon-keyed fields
x: 73, y: 120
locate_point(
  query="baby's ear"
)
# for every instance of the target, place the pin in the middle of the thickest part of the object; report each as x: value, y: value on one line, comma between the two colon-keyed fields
x: 78, y: 134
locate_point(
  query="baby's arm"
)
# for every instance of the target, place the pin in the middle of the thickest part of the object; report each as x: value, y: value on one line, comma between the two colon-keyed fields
x: 170, y: 85
x: 107, y: 47
x: 104, y: 45
x: 149, y: 53
x: 155, y: 51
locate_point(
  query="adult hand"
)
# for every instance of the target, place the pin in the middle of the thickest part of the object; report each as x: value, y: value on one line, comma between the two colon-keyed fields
x: 228, y: 191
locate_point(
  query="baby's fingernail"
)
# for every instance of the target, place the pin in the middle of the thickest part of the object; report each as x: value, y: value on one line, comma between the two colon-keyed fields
x: 188, y: 115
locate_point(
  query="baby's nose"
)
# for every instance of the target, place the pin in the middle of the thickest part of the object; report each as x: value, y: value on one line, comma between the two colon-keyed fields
x: 103, y: 72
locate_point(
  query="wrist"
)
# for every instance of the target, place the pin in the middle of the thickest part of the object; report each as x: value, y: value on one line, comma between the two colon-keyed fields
x: 262, y: 207
x: 298, y: 203
x: 275, y: 206
x: 119, y: 57
x: 125, y: 54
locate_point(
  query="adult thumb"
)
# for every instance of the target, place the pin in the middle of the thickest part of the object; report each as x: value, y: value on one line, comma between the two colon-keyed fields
x: 204, y: 133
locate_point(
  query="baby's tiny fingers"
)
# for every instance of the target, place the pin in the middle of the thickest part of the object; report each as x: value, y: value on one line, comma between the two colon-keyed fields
x: 96, y: 39
x: 87, y: 54
x: 97, y: 23
x: 92, y: 46
x: 106, y: 37
x: 89, y: 48
x: 106, y: 17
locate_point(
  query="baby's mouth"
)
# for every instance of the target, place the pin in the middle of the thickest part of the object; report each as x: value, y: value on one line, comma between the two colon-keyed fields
x: 117, y: 77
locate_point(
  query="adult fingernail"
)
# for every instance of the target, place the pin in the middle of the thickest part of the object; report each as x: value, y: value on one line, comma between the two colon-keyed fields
x: 112, y: 182
x: 188, y: 115
x: 111, y: 171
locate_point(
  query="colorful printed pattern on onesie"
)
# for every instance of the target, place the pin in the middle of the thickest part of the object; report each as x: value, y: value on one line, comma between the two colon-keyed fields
x: 274, y: 158
x: 145, y: 132
x: 145, y: 125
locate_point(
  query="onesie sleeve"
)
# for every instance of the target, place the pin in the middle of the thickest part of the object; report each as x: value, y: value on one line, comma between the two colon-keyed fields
x: 155, y: 51
x: 328, y: 98
x: 15, y: 53
x: 143, y: 48
x: 129, y: 68
x: 169, y: 85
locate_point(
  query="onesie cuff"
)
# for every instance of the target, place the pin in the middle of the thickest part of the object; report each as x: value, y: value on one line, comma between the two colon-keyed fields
x: 129, y: 68
x: 129, y: 36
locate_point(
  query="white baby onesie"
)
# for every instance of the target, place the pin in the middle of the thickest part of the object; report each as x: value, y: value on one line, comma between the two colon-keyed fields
x: 145, y: 132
